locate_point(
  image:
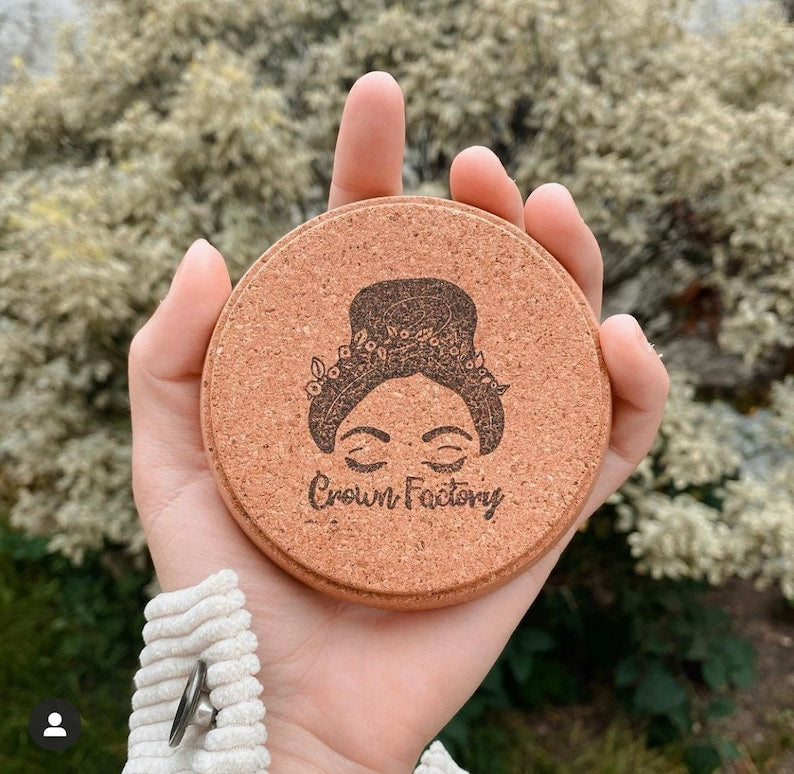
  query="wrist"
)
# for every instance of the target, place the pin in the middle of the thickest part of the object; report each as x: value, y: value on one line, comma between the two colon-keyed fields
x: 295, y: 750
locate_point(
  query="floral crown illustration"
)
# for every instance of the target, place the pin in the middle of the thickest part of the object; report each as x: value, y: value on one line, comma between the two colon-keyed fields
x: 401, y: 328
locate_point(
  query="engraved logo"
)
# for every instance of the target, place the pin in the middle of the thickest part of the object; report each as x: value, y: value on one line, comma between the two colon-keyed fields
x: 408, y: 392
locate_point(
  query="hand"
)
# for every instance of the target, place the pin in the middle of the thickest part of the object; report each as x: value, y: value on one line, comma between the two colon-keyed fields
x: 352, y: 689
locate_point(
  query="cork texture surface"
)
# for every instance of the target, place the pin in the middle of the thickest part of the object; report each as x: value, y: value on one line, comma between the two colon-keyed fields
x: 404, y: 402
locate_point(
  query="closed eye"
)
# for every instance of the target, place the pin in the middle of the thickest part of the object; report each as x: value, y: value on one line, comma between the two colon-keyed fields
x: 445, y: 467
x: 363, y: 467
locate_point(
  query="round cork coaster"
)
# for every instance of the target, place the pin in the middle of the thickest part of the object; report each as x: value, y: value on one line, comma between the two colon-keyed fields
x: 404, y: 402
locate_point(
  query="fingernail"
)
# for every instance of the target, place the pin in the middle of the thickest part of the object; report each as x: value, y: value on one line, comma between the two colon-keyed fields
x: 642, y: 337
x: 640, y: 333
x: 185, y: 257
x: 562, y: 189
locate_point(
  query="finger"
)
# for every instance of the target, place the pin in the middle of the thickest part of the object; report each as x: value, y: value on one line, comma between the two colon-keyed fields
x: 639, y: 390
x: 477, y: 177
x: 551, y: 217
x: 167, y: 354
x: 368, y: 159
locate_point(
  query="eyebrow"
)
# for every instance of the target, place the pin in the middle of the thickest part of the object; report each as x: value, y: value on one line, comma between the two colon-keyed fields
x: 379, y: 434
x: 431, y: 434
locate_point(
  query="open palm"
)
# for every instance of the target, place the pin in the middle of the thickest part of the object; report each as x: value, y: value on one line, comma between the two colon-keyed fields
x: 349, y: 688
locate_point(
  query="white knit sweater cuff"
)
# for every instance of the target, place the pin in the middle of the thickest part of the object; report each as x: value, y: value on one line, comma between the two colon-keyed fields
x: 436, y: 760
x: 206, y: 621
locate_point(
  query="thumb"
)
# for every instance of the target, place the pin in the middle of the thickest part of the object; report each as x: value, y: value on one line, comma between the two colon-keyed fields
x: 167, y: 354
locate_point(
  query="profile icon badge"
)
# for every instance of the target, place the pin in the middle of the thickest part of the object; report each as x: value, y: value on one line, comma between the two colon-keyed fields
x: 54, y: 724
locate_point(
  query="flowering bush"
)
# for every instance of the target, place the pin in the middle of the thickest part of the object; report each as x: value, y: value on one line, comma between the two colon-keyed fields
x: 178, y: 118
x: 716, y: 497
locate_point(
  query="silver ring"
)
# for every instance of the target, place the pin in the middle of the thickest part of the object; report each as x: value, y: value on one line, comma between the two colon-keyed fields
x: 195, y: 707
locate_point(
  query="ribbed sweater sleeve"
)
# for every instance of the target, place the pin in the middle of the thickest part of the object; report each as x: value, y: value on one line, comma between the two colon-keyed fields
x: 206, y: 621
x: 436, y: 760
x: 209, y: 621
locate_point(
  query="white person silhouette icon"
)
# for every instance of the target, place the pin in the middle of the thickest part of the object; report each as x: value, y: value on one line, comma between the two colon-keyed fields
x: 54, y: 724
x: 55, y: 728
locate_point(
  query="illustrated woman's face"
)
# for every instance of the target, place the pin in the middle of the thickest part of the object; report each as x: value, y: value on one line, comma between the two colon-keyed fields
x: 408, y: 426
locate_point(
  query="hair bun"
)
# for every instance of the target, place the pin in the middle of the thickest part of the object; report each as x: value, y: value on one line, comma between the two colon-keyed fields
x: 400, y: 328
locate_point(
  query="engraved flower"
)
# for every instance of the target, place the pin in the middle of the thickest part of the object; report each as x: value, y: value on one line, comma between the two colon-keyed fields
x: 318, y: 368
x: 424, y: 334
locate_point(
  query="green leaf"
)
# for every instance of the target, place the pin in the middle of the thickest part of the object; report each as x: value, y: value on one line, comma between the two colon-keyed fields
x: 656, y: 646
x: 715, y: 673
x: 698, y: 649
x: 658, y: 693
x: 720, y: 707
x: 534, y: 640
x: 702, y: 759
x: 627, y: 672
x: 727, y: 749
x: 456, y: 733
x: 492, y: 691
x: 713, y: 618
x: 740, y: 661
x: 743, y: 676
x: 680, y: 719
x: 521, y: 666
